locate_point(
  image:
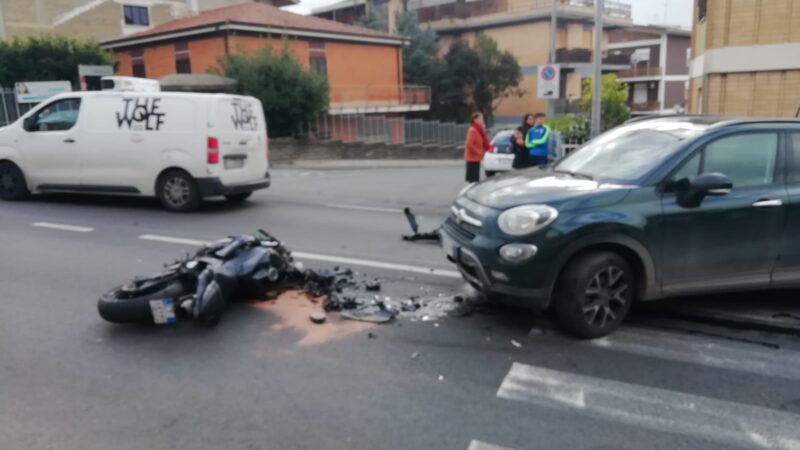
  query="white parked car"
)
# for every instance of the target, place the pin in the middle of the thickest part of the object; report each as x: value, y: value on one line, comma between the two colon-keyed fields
x: 499, y: 158
x: 178, y: 147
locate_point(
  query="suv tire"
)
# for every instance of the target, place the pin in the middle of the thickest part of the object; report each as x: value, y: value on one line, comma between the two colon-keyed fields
x: 594, y: 294
x: 178, y: 191
x: 13, y: 186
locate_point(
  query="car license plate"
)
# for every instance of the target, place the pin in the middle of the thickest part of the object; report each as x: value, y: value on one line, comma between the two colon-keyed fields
x: 506, y: 162
x: 234, y: 163
x: 448, y: 245
x: 163, y: 311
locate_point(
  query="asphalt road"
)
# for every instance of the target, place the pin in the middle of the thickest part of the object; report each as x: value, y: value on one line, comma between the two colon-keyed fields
x: 266, y: 378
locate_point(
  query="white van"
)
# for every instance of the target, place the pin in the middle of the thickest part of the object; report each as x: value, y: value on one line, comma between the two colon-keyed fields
x: 179, y: 147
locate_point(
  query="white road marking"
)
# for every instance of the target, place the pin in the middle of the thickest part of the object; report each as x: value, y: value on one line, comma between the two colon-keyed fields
x: 658, y: 409
x: 173, y: 240
x: 58, y: 226
x: 379, y: 265
x: 326, y: 258
x: 705, y: 351
x: 365, y: 208
x: 479, y: 445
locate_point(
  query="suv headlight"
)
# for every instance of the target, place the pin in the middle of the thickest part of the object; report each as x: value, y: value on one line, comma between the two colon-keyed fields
x: 524, y: 220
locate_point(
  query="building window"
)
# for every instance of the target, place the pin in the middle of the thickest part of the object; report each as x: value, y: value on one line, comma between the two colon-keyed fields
x: 136, y: 15
x: 182, y: 62
x: 316, y: 58
x: 137, y: 60
x: 702, y: 5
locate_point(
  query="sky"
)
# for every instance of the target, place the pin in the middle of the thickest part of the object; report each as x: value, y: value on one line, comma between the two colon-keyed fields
x: 645, y: 12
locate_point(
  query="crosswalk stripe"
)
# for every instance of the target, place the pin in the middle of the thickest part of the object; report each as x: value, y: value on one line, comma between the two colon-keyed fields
x: 667, y: 411
x: 479, y: 445
x: 704, y: 351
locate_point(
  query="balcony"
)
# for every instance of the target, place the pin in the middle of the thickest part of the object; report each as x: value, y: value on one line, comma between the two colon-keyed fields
x: 584, y: 55
x: 378, y: 99
x: 645, y: 107
x: 640, y: 72
x: 446, y: 14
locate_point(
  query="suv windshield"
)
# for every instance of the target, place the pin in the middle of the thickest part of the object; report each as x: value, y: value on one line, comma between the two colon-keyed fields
x: 628, y: 152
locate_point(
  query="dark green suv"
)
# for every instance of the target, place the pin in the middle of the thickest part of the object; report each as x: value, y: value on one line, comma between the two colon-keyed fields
x: 651, y: 209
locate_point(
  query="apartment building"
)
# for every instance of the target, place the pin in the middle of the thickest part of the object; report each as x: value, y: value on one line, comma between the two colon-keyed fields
x: 521, y: 26
x: 100, y: 19
x: 746, y: 58
x: 658, y: 77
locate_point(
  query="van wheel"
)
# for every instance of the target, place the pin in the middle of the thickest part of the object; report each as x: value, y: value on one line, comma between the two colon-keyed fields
x: 594, y: 294
x: 178, y: 191
x: 238, y: 198
x: 12, y: 182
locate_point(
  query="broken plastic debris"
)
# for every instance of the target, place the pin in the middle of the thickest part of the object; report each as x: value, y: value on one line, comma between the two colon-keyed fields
x: 369, y: 313
x: 516, y: 344
x: 318, y: 317
x: 373, y: 286
x: 441, y: 377
x: 371, y: 335
x: 414, y: 355
x: 436, y: 325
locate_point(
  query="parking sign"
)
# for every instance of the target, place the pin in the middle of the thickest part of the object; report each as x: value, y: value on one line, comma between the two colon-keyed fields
x: 549, y: 81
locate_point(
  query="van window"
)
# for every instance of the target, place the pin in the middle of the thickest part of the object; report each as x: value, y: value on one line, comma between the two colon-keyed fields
x: 142, y: 113
x: 58, y: 116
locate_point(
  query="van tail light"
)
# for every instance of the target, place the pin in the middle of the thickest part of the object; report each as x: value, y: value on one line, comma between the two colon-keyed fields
x: 213, y: 150
x: 493, y: 149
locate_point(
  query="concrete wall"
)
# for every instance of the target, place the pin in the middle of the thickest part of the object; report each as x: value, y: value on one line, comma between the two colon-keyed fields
x: 751, y: 22
x: 674, y: 94
x: 676, y: 55
x: 288, y: 150
x: 767, y: 94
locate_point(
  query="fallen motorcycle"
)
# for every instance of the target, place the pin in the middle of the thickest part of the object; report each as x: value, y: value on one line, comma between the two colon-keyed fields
x: 200, y: 286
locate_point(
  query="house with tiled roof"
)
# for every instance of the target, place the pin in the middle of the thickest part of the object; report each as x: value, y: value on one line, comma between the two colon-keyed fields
x: 363, y: 67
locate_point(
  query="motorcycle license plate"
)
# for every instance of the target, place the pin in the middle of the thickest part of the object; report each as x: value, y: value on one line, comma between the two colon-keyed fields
x: 163, y: 311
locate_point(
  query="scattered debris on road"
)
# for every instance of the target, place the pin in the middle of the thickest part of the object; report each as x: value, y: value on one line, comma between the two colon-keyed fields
x: 417, y: 236
x: 516, y: 344
x: 318, y: 317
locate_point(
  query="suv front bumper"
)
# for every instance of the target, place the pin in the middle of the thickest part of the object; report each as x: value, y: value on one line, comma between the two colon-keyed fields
x: 477, y: 264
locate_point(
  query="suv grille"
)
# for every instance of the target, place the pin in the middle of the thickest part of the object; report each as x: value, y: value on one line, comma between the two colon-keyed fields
x: 460, y: 230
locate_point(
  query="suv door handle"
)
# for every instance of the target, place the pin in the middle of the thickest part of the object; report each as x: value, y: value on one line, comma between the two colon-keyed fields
x: 69, y: 141
x: 766, y: 203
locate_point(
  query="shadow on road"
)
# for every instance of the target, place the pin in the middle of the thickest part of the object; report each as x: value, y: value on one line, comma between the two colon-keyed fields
x: 142, y: 203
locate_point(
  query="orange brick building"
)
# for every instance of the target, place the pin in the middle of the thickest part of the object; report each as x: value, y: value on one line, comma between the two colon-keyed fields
x: 363, y: 67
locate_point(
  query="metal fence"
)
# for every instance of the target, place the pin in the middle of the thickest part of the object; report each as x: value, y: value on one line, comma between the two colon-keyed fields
x: 10, y: 110
x: 371, y: 129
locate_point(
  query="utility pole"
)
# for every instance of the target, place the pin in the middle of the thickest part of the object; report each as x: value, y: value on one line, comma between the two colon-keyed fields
x: 551, y: 106
x: 598, y: 63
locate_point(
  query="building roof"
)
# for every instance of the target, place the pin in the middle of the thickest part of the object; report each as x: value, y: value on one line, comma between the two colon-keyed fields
x: 257, y: 17
x: 660, y: 29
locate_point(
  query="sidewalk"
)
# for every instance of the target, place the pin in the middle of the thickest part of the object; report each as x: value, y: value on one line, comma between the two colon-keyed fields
x: 770, y: 311
x: 346, y: 164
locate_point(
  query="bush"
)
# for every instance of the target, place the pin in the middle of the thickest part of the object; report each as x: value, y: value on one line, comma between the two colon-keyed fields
x: 614, y: 97
x: 48, y: 58
x: 292, y: 95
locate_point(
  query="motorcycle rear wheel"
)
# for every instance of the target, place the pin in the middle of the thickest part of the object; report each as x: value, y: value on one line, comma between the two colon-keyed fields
x: 123, y: 306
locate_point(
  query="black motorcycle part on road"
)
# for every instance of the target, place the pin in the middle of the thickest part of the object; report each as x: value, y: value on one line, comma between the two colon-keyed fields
x: 117, y: 306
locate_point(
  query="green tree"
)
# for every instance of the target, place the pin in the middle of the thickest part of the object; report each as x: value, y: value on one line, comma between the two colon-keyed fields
x: 474, y: 79
x: 614, y: 98
x: 48, y: 58
x: 371, y: 20
x: 292, y: 95
x: 420, y: 61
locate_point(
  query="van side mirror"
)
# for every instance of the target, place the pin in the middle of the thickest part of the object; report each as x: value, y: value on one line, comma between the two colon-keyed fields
x: 692, y: 193
x: 27, y: 123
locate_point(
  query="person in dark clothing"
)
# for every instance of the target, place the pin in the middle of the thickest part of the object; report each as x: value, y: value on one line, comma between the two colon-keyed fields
x: 520, y: 151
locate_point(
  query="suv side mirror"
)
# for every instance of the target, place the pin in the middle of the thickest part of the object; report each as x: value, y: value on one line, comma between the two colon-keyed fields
x: 691, y: 194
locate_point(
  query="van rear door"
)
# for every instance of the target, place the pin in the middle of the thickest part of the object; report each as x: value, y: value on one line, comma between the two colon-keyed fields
x: 237, y: 127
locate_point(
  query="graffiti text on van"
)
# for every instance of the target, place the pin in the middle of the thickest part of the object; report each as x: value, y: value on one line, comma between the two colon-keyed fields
x: 243, y: 116
x: 141, y: 114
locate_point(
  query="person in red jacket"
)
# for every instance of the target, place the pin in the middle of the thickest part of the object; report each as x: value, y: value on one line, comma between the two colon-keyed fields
x: 475, y: 147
